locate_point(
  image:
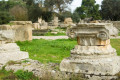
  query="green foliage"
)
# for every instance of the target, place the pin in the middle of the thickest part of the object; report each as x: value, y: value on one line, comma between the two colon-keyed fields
x: 75, y: 17
x: 5, y: 6
x: 110, y: 10
x: 5, y: 17
x: 48, y: 50
x: 64, y: 15
x: 5, y: 74
x: 57, y: 5
x: 19, y: 12
x: 25, y: 61
x: 35, y: 11
x: 116, y: 44
x: 88, y: 9
x: 49, y: 4
x: 24, y: 75
x: 19, y: 75
x: 47, y: 15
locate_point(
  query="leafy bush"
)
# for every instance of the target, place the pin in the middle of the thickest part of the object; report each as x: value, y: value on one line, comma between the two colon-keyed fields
x: 5, y: 17
x: 24, y: 75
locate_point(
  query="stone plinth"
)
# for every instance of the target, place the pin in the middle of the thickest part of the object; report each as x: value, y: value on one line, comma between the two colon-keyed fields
x: 12, y: 52
x: 68, y: 21
x: 22, y: 29
x: 93, y: 55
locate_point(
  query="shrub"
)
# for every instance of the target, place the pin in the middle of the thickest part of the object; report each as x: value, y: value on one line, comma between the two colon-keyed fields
x: 5, y: 17
x: 24, y: 75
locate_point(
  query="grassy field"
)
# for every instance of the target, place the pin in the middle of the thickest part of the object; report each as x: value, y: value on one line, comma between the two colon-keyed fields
x: 48, y: 50
x: 54, y: 50
x: 119, y: 34
x: 116, y: 44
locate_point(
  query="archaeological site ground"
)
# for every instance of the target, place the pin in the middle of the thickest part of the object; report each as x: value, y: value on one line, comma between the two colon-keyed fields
x: 59, y: 39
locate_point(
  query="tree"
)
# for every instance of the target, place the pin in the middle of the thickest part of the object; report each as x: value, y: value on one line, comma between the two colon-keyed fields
x: 75, y: 17
x: 88, y: 9
x: 19, y: 13
x: 5, y: 17
x: 110, y: 10
x: 65, y: 14
x: 49, y: 5
x: 58, y: 5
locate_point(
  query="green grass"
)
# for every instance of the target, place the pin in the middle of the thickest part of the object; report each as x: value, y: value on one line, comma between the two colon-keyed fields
x: 48, y: 50
x: 4, y: 73
x: 118, y: 34
x: 18, y: 75
x: 54, y: 50
x: 116, y: 44
x: 51, y: 34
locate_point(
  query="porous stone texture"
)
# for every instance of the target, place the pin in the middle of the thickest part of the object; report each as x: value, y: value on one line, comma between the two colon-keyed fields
x: 20, y: 22
x: 93, y: 55
x: 43, y: 71
x: 113, y: 31
x: 7, y: 36
x: 22, y: 29
x: 116, y: 24
x: 12, y: 52
x: 68, y: 21
x: 36, y: 26
x: 55, y: 21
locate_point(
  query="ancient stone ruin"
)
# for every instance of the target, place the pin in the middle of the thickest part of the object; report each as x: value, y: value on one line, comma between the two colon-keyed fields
x: 55, y: 21
x: 93, y: 55
x: 22, y: 29
x: 8, y: 50
x: 68, y: 21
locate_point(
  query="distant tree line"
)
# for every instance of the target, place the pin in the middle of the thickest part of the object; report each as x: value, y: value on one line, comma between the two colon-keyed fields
x: 23, y: 10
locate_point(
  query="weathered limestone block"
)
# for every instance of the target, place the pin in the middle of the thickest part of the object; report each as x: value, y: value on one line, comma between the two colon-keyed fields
x: 93, y: 55
x: 113, y: 31
x: 12, y: 52
x: 7, y: 36
x: 36, y: 26
x: 23, y: 30
x: 116, y: 24
x: 68, y: 21
x: 55, y: 21
x: 20, y: 22
x: 44, y: 25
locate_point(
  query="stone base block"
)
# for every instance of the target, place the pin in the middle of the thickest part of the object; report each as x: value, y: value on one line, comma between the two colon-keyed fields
x: 12, y: 56
x: 12, y: 52
x: 94, y: 66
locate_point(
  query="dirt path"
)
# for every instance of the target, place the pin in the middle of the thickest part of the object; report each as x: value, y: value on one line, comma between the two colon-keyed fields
x: 60, y: 37
x: 50, y: 37
x: 118, y: 37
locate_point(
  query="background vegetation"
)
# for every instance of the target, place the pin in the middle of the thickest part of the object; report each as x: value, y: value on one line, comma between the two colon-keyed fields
x: 23, y: 10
